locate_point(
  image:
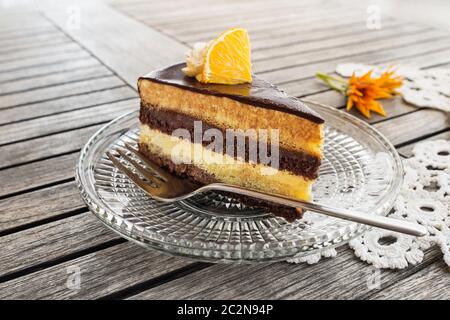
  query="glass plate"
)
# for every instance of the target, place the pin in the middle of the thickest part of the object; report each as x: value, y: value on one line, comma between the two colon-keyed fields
x: 361, y: 170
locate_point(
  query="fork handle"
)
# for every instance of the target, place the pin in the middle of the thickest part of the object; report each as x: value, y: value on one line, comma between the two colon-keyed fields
x: 378, y: 221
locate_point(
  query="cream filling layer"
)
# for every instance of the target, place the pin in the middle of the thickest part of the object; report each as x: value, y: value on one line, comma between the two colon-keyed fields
x: 225, y: 168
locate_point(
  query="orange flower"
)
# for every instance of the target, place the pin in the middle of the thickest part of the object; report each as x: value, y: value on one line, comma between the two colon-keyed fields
x: 363, y: 92
x: 389, y: 82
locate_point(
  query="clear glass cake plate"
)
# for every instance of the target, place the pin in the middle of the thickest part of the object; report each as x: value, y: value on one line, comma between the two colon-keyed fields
x: 361, y: 171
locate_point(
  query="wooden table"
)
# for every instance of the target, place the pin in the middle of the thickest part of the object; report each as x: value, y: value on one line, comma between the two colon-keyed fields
x: 62, y: 78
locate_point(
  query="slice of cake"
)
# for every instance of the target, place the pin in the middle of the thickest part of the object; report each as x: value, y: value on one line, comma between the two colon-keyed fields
x: 249, y: 134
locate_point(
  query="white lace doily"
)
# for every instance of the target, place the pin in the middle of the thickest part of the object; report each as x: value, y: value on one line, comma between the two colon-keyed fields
x: 423, y: 88
x: 424, y: 198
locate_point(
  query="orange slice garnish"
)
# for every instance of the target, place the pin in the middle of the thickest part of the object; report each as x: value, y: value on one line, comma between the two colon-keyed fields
x: 227, y: 60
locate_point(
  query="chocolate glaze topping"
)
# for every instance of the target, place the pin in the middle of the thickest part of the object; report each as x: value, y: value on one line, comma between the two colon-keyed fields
x: 259, y: 93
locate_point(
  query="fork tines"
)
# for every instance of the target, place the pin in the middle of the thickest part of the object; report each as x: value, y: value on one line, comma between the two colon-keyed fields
x: 156, y: 178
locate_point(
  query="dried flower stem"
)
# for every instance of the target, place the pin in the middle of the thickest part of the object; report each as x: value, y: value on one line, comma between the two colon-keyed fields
x: 336, y: 83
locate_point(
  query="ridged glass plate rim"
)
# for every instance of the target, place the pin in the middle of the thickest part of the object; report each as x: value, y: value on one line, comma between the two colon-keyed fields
x: 237, y: 255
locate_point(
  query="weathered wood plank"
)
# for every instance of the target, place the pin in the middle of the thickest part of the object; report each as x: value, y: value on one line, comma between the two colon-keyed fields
x: 273, y: 29
x: 432, y: 283
x: 157, y: 6
x: 14, y: 44
x: 47, y: 69
x: 406, y: 151
x: 361, y: 40
x: 203, y: 14
x: 56, y: 92
x: 10, y: 17
x: 54, y: 79
x: 7, y: 40
x: 102, y: 273
x: 289, y: 27
x: 331, y: 98
x: 350, y: 52
x: 37, y: 174
x: 10, y: 25
x: 261, y: 13
x: 39, y: 51
x: 33, y: 45
x: 391, y: 56
x: 266, y: 25
x: 31, y: 247
x: 45, y: 147
x: 145, y: 51
x: 314, y: 33
x: 191, y: 31
x: 342, y: 277
x: 394, y: 108
x: 65, y: 121
x: 310, y: 85
x: 38, y: 205
x: 9, y: 29
x: 23, y: 64
x: 413, y: 125
x: 25, y: 33
x: 99, y: 96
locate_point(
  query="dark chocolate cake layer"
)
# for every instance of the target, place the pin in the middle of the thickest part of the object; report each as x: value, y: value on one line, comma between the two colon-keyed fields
x: 197, y: 175
x: 259, y: 93
x: 166, y: 121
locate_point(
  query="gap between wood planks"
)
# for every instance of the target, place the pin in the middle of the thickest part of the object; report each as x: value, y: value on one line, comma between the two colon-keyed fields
x: 157, y: 281
x: 68, y: 81
x: 34, y: 45
x: 18, y: 55
x: 27, y: 34
x: 342, y: 277
x: 61, y: 259
x: 207, y: 14
x: 58, y: 106
x: 49, y: 70
x: 258, y: 28
x: 37, y: 223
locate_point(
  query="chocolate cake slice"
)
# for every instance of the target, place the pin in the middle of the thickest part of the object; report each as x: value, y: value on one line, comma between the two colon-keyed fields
x: 184, y: 123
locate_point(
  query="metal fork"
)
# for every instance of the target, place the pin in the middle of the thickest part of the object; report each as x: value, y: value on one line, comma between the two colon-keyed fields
x: 163, y: 186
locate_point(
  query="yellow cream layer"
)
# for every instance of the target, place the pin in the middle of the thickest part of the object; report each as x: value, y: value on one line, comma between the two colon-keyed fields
x: 225, y: 168
x: 295, y: 133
